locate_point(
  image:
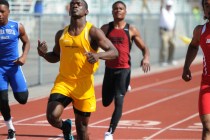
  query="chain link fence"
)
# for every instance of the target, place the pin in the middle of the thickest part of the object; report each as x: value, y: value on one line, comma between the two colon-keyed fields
x: 45, y: 26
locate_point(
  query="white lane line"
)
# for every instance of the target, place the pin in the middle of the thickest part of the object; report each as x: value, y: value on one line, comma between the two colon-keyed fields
x: 162, y: 82
x: 151, y: 104
x: 170, y: 126
x: 184, y: 129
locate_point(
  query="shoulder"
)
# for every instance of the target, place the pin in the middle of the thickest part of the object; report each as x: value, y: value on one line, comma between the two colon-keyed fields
x: 96, y: 33
x: 105, y: 28
x: 196, y: 35
x: 198, y: 29
x: 13, y: 24
x: 59, y: 33
x: 94, y: 30
x: 133, y: 29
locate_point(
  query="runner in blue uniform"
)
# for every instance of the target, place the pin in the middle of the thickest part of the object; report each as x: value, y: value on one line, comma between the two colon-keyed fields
x: 10, y: 64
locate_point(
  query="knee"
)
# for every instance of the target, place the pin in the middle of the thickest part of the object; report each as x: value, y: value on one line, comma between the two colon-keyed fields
x: 119, y: 100
x: 54, y: 111
x: 21, y: 97
x: 54, y: 120
x: 106, y: 102
x: 4, y: 101
x: 81, y: 126
x: 50, y: 118
x: 206, y: 127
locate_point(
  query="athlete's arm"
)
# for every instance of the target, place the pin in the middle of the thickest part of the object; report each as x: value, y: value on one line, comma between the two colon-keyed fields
x: 136, y: 37
x: 25, y: 47
x: 110, y: 52
x: 54, y: 55
x: 191, y: 53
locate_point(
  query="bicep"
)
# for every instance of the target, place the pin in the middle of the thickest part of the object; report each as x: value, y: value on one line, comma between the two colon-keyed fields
x: 22, y: 34
x: 99, y: 37
x: 196, y: 36
x: 56, y: 48
x: 136, y: 36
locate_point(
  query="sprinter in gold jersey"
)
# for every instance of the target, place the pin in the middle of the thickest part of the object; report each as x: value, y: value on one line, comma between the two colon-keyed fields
x: 76, y: 47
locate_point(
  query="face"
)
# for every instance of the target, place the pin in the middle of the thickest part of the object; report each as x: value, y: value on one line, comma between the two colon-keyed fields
x: 4, y: 13
x: 77, y: 8
x: 207, y: 8
x: 119, y: 11
x: 168, y: 7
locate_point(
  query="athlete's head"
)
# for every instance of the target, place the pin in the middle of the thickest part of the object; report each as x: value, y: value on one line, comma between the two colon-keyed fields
x: 78, y: 8
x: 206, y: 8
x: 119, y: 10
x: 169, y: 4
x: 4, y: 12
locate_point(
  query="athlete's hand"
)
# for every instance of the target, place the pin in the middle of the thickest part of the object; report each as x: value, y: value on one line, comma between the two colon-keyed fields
x: 20, y: 61
x: 42, y: 48
x: 145, y: 65
x: 92, y: 57
x: 186, y: 75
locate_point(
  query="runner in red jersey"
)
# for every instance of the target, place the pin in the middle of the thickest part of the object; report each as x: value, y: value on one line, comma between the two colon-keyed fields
x: 201, y: 37
x: 117, y: 73
x: 121, y: 40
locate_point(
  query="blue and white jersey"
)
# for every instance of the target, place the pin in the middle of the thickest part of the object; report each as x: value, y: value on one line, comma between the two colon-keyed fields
x: 9, y: 37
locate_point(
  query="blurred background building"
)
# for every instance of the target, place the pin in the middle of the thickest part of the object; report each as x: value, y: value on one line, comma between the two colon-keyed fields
x: 42, y: 18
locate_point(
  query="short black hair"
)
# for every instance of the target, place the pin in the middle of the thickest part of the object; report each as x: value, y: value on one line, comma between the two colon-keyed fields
x: 117, y: 3
x: 203, y: 3
x: 86, y: 5
x: 4, y: 2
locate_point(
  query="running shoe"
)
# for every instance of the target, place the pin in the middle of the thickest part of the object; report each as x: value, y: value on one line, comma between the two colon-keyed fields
x: 129, y: 88
x: 108, y: 136
x: 11, y: 135
x: 67, y: 135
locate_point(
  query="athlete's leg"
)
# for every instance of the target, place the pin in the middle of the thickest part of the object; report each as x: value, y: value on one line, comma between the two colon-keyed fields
x: 56, y: 104
x: 204, y: 109
x: 108, y: 87
x: 121, y: 84
x: 205, y: 119
x: 4, y: 100
x: 81, y: 122
x: 4, y: 105
x: 18, y: 84
x: 5, y: 111
x: 119, y: 99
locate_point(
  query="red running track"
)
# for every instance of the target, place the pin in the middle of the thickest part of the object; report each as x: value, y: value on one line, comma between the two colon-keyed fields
x: 159, y: 106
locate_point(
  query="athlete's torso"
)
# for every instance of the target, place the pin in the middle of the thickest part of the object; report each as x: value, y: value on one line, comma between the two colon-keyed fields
x: 205, y: 45
x: 9, y: 36
x: 121, y: 40
x: 73, y: 62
